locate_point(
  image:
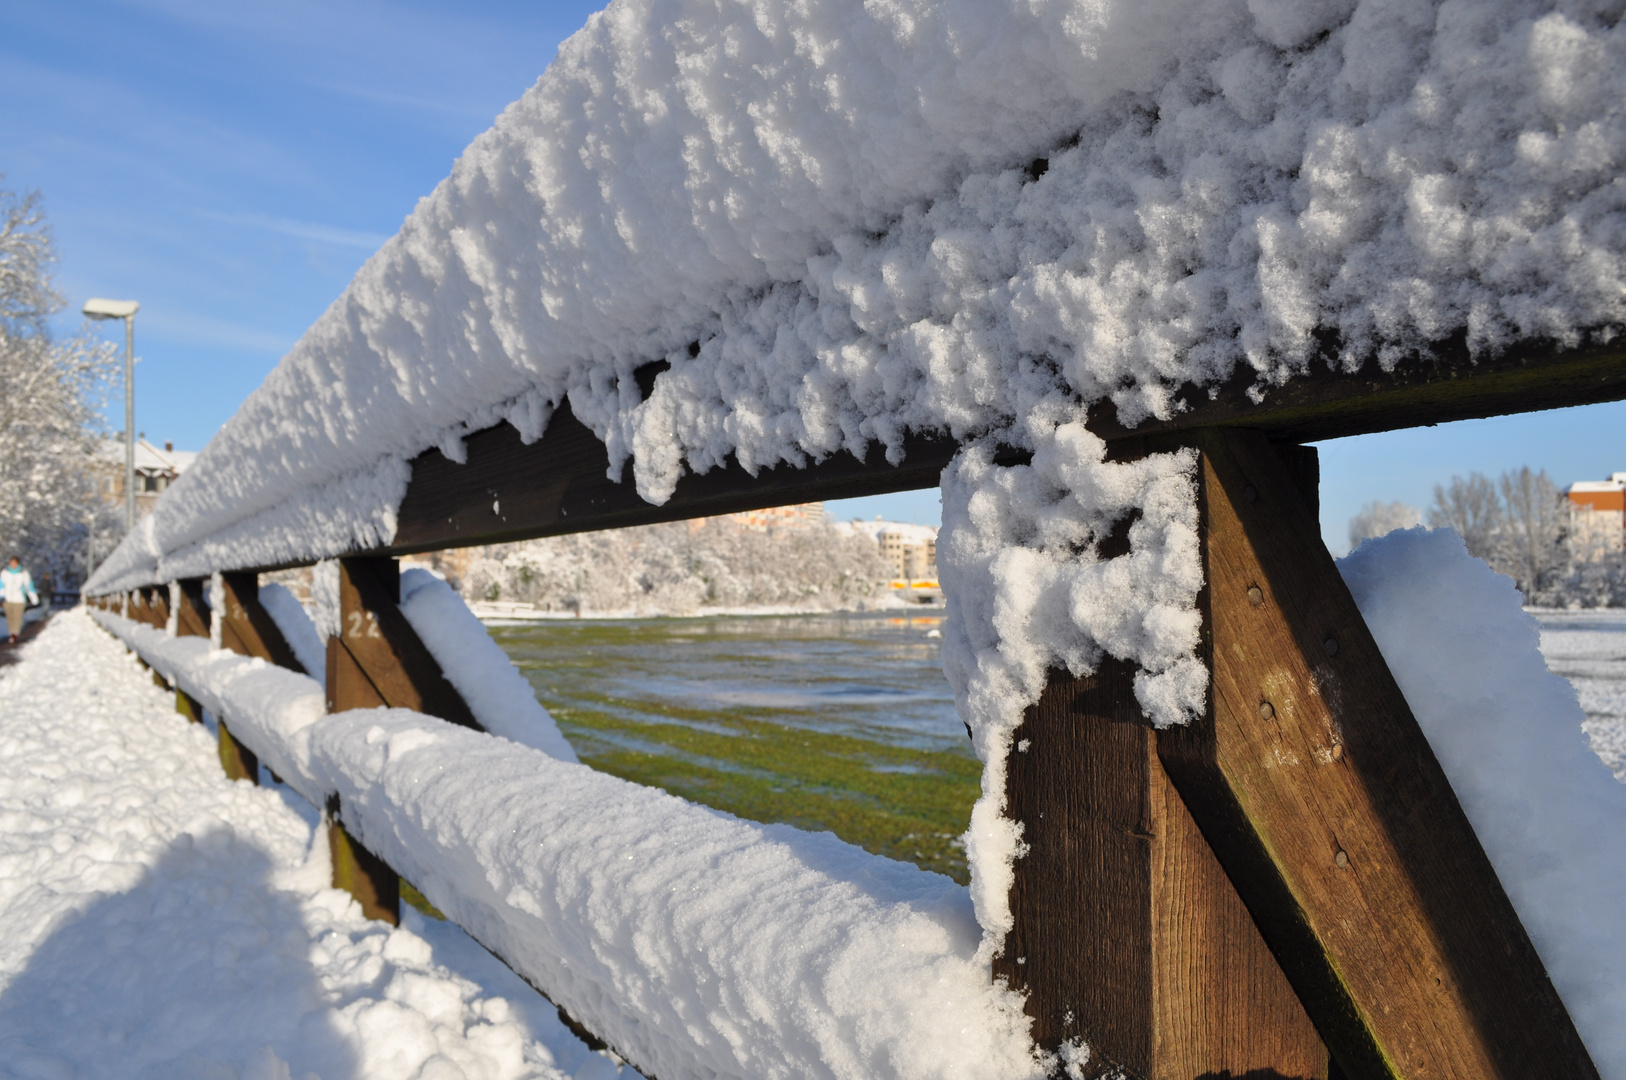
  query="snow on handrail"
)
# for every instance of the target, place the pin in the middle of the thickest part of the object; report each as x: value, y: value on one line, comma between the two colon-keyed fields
x: 698, y: 944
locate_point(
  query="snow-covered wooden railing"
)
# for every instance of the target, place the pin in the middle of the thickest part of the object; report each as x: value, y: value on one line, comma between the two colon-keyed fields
x: 1101, y: 270
x: 694, y: 943
x: 1262, y: 915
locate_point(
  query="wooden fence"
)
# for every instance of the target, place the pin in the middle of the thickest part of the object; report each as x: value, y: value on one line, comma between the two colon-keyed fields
x: 1333, y: 916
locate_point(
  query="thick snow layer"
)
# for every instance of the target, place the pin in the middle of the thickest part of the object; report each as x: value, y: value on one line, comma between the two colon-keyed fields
x: 698, y: 944
x: 499, y: 696
x: 161, y: 921
x: 1508, y: 733
x: 297, y: 629
x: 835, y: 200
x: 1027, y: 593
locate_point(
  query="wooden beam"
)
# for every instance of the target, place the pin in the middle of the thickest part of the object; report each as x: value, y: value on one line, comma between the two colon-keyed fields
x: 378, y: 658
x: 510, y: 491
x: 1320, y: 795
x: 248, y: 629
x: 1327, y: 403
x: 1128, y: 935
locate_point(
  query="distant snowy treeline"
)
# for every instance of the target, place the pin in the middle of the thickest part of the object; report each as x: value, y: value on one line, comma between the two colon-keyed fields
x: 679, y: 568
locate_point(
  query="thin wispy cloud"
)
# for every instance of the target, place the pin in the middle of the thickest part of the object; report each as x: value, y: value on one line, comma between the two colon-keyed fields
x: 305, y: 230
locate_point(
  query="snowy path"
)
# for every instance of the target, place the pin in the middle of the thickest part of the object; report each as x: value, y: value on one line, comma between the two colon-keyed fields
x: 161, y: 921
x: 1589, y: 649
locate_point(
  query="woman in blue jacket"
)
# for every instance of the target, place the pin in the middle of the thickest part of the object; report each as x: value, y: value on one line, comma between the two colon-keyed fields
x: 18, y: 590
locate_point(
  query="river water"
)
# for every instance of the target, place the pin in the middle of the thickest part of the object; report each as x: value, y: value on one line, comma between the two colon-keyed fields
x: 874, y: 676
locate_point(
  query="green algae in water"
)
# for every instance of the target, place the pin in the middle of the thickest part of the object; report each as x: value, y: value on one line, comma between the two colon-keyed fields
x: 821, y: 722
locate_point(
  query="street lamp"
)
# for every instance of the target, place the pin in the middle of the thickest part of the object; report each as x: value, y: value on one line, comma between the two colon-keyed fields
x: 123, y: 309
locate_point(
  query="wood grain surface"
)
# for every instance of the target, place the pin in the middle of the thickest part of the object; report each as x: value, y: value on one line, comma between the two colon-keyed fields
x: 1127, y: 933
x: 1320, y: 794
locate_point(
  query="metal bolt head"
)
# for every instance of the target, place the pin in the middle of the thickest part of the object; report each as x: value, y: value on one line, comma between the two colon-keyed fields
x: 1266, y: 709
x: 1256, y: 595
x: 1341, y: 859
x: 1338, y: 751
x: 1331, y: 645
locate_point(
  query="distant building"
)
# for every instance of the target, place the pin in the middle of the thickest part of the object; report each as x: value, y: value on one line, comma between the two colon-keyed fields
x: 911, y: 549
x: 155, y: 470
x: 1598, y: 517
x: 800, y: 516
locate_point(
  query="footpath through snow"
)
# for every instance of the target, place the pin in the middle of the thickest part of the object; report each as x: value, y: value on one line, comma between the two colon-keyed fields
x: 164, y: 922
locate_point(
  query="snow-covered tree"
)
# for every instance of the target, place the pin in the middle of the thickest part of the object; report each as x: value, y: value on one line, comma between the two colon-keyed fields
x: 681, y: 567
x: 1381, y: 519
x: 50, y: 397
x: 1532, y: 549
x: 1471, y: 506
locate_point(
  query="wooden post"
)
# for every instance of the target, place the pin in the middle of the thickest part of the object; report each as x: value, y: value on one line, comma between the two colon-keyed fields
x: 1128, y: 934
x: 378, y: 658
x: 361, y: 873
x: 238, y: 760
x: 248, y: 629
x: 1313, y: 797
x: 188, y: 706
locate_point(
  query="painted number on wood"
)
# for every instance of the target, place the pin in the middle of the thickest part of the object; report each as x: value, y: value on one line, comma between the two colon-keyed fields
x: 361, y: 624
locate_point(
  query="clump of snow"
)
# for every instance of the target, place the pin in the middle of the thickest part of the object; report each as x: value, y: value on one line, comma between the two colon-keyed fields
x: 698, y: 944
x: 494, y: 690
x: 1508, y: 733
x: 1029, y: 593
x: 162, y: 921
x: 325, y: 598
x: 297, y: 629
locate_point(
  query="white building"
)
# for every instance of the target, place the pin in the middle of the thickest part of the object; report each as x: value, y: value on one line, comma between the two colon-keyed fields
x: 155, y: 470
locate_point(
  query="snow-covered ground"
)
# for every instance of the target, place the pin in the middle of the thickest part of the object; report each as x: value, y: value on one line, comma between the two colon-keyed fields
x: 163, y: 922
x: 1589, y: 649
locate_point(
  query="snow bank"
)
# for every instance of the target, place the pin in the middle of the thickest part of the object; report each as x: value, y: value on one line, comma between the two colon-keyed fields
x: 162, y: 921
x: 696, y: 943
x: 493, y: 688
x: 1508, y: 733
x: 297, y: 629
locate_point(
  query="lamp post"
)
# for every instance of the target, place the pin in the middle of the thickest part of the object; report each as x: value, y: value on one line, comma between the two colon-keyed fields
x: 123, y: 309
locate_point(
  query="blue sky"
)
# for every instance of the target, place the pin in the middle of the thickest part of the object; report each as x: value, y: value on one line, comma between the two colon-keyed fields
x: 231, y: 164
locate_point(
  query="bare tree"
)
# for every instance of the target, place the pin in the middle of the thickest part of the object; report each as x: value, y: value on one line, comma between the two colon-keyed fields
x: 50, y: 397
x: 1536, y: 520
x: 1472, y: 507
x: 1381, y: 519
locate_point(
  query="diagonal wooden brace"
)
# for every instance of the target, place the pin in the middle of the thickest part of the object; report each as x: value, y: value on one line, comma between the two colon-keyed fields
x: 378, y: 659
x: 1324, y: 801
x: 192, y: 615
x: 248, y: 628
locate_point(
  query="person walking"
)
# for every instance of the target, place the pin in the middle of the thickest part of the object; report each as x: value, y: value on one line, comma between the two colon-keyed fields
x: 18, y: 590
